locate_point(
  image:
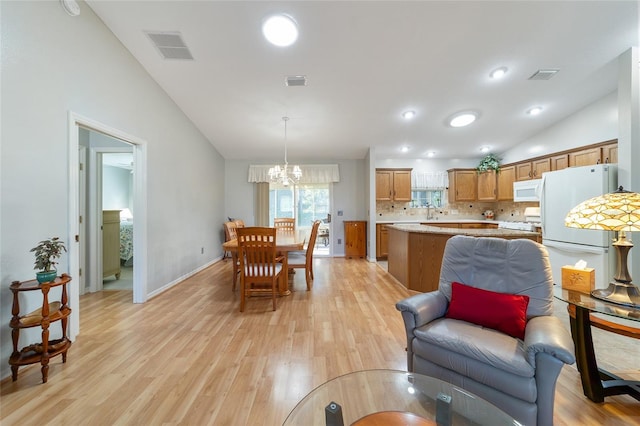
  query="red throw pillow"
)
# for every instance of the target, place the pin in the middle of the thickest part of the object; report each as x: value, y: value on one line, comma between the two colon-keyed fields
x: 503, y: 312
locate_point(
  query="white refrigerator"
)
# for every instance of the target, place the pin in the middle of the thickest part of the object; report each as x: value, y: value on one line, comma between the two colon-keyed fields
x: 561, y: 191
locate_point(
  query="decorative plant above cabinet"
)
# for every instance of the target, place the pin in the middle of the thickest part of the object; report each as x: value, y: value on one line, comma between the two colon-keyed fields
x: 489, y: 162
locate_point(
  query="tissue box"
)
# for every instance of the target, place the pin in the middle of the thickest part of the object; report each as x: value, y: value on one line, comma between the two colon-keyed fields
x: 582, y: 280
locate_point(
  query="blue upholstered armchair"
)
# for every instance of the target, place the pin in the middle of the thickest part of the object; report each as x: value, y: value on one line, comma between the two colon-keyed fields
x: 516, y: 375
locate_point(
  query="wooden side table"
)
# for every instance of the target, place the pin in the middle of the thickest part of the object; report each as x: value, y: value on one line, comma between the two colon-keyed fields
x: 41, y: 317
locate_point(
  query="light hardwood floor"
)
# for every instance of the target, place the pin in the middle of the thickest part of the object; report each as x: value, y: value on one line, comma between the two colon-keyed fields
x: 188, y: 356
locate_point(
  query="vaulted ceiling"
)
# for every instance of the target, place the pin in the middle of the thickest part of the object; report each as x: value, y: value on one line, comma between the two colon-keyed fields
x: 368, y: 61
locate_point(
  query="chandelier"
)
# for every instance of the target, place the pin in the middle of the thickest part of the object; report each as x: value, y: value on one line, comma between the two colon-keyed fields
x: 281, y: 175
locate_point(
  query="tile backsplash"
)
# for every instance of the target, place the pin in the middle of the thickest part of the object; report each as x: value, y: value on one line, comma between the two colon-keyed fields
x: 503, y: 210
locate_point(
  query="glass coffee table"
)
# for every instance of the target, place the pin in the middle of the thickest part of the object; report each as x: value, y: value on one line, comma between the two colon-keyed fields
x: 598, y: 383
x: 392, y: 397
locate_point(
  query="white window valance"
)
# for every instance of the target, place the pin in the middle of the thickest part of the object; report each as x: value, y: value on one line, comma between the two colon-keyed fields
x: 429, y: 180
x: 311, y: 173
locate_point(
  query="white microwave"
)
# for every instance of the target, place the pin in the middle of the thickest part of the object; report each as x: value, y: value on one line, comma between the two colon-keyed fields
x: 527, y: 190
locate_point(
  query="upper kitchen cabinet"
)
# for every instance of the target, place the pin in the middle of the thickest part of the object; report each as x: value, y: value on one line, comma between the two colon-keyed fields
x: 610, y: 153
x: 559, y: 162
x: 463, y: 185
x: 393, y: 184
x: 505, y: 178
x: 532, y: 169
x: 585, y: 157
x: 487, y: 186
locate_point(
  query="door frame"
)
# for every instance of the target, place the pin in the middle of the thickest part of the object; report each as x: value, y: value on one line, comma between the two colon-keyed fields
x: 75, y: 121
x: 95, y: 234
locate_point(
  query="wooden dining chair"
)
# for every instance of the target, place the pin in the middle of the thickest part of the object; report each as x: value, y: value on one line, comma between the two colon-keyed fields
x: 230, y: 233
x: 260, y: 268
x: 284, y: 224
x: 305, y: 259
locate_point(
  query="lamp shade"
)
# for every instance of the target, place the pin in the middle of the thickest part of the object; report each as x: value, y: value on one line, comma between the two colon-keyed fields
x: 616, y: 211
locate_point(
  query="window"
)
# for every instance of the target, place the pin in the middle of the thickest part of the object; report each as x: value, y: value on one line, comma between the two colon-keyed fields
x: 280, y: 202
x: 426, y: 197
x: 304, y: 202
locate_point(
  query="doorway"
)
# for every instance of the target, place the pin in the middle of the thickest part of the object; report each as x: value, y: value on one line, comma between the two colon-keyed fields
x: 306, y: 203
x: 116, y: 196
x: 84, y: 231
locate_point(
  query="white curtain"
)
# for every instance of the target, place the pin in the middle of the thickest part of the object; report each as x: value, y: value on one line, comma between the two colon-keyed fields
x: 429, y: 180
x: 311, y: 173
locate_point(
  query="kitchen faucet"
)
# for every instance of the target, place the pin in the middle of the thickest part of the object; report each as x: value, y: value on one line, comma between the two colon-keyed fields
x: 429, y: 215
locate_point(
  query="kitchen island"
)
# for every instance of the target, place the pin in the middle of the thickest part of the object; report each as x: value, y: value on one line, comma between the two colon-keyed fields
x: 415, y: 251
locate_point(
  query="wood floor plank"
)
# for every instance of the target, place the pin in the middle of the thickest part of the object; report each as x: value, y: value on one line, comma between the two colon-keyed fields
x: 188, y: 356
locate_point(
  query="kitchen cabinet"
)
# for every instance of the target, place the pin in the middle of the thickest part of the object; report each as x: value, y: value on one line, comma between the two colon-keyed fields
x: 610, y: 153
x: 355, y: 238
x: 559, y: 162
x: 464, y: 225
x: 382, y: 241
x: 463, y: 185
x: 540, y: 166
x: 532, y: 169
x: 415, y: 256
x: 504, y: 182
x: 524, y: 171
x: 487, y: 186
x: 585, y: 157
x: 393, y: 184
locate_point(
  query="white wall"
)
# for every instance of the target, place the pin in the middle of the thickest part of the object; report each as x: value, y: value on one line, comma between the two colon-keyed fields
x: 348, y: 194
x: 427, y: 164
x: 115, y: 188
x: 598, y: 122
x: 53, y: 63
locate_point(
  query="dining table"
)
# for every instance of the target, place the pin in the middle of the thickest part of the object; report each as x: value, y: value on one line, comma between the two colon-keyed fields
x: 286, y: 241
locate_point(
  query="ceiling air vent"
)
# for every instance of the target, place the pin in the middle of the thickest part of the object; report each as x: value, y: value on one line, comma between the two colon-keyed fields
x: 543, y: 74
x: 296, y: 80
x: 170, y: 45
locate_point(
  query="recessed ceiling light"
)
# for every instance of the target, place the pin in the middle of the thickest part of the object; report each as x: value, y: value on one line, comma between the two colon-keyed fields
x: 405, y: 149
x: 534, y: 110
x: 431, y: 153
x: 498, y: 73
x: 280, y: 30
x: 463, y: 119
x: 485, y: 149
x: 408, y: 115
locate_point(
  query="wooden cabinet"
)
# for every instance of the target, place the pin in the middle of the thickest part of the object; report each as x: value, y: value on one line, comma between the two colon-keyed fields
x: 382, y: 241
x: 610, y: 153
x: 463, y: 185
x: 504, y: 183
x: 473, y: 225
x: 393, y: 184
x: 487, y: 186
x: 532, y: 169
x: 111, y: 243
x: 585, y: 157
x: 524, y: 171
x: 355, y: 239
x: 540, y: 166
x: 559, y: 162
x: 43, y: 317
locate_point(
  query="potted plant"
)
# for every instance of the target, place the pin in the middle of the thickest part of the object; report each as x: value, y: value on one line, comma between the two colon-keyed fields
x: 489, y: 162
x: 46, y: 252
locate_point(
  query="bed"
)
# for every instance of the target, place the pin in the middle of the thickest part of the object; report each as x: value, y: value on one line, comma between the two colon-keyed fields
x: 126, y: 242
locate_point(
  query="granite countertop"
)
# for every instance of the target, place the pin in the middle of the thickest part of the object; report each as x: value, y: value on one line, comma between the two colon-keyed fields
x: 426, y: 229
x: 419, y: 221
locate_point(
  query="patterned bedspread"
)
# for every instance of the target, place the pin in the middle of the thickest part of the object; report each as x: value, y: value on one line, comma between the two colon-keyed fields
x: 126, y: 242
